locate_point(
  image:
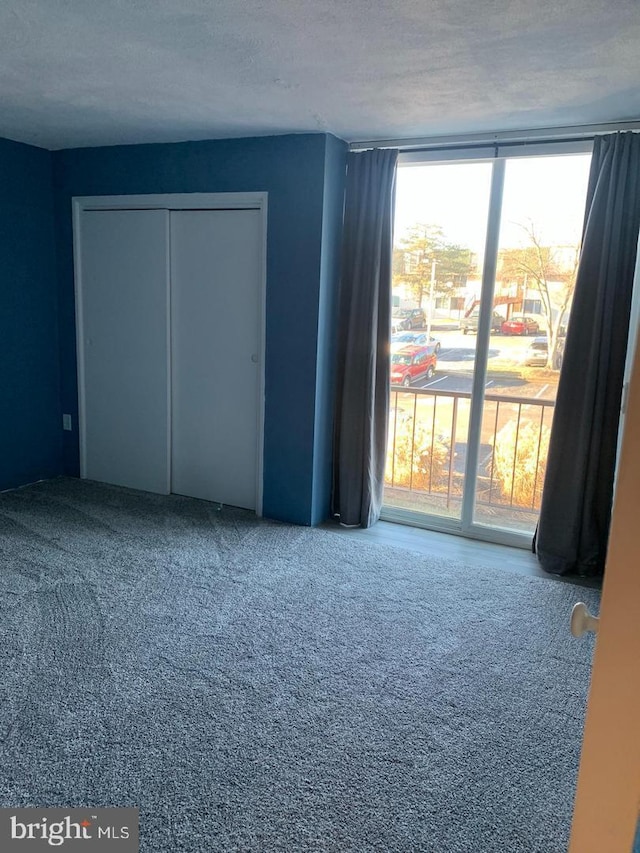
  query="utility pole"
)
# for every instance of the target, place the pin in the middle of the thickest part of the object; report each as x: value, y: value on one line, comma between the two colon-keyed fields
x: 431, y: 287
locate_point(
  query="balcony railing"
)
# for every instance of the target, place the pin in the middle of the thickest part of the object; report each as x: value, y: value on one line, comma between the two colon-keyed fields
x: 427, y: 448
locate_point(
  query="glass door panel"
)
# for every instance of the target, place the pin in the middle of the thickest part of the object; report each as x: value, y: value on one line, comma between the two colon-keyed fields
x: 540, y: 232
x: 440, y: 232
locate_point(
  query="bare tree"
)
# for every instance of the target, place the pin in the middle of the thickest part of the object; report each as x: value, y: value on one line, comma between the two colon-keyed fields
x: 552, y: 277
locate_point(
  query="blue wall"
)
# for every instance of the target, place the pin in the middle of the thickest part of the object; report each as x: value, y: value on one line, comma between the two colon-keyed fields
x: 299, y: 280
x: 30, y: 419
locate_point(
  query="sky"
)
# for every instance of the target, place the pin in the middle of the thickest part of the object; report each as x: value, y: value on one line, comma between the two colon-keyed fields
x: 550, y: 191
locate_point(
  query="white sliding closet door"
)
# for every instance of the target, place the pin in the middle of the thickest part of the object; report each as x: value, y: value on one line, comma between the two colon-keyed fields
x: 123, y: 347
x: 216, y: 264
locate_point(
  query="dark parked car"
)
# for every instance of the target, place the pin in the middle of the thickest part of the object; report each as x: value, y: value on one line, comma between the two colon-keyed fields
x: 470, y: 323
x: 520, y: 325
x: 409, y: 318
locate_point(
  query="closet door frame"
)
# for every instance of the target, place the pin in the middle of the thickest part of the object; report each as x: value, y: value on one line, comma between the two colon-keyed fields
x: 172, y: 201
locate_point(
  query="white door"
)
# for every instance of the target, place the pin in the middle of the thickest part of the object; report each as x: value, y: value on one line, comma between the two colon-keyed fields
x: 216, y: 261
x: 123, y: 347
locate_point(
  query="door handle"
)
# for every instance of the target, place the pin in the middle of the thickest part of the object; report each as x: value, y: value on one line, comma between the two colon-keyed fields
x: 254, y: 358
x: 582, y: 621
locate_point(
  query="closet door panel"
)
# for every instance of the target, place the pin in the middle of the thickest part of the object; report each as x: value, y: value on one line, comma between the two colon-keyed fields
x: 216, y: 264
x: 124, y: 348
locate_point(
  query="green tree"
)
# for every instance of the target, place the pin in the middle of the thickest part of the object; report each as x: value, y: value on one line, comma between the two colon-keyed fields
x: 541, y: 268
x: 413, y: 259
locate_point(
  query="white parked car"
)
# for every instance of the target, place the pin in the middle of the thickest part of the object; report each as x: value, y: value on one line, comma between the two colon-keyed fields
x: 538, y: 350
x: 405, y: 339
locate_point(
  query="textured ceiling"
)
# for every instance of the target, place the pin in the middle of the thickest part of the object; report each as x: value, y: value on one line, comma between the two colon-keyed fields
x: 94, y: 72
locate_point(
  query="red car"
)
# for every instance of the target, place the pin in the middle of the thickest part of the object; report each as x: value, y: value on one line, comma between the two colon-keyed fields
x: 411, y: 363
x: 520, y: 325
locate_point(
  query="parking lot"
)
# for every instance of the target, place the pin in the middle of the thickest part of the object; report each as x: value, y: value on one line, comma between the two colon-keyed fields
x: 506, y: 371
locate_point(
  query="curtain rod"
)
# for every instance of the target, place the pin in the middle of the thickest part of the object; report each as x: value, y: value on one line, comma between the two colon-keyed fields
x: 508, y: 137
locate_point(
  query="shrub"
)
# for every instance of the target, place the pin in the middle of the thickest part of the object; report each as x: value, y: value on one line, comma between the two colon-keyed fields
x: 526, y: 477
x: 414, y: 466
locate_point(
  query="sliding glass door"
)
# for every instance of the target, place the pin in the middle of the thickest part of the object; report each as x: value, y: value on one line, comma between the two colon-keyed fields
x: 485, y: 258
x: 440, y: 234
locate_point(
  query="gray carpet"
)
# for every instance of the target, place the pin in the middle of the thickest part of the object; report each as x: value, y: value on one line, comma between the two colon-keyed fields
x: 254, y: 686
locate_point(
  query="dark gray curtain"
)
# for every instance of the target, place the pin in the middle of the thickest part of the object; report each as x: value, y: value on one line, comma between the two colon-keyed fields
x: 362, y: 403
x: 578, y: 489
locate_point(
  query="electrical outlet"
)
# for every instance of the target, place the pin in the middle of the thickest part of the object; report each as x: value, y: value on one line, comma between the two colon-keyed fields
x: 66, y: 422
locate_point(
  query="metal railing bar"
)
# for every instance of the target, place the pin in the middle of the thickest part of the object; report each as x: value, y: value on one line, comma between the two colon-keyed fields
x: 413, y: 440
x: 433, y: 439
x: 452, y: 450
x: 515, y: 455
x: 481, y: 502
x: 506, y: 506
x: 535, y: 480
x: 493, y: 450
x: 466, y: 395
